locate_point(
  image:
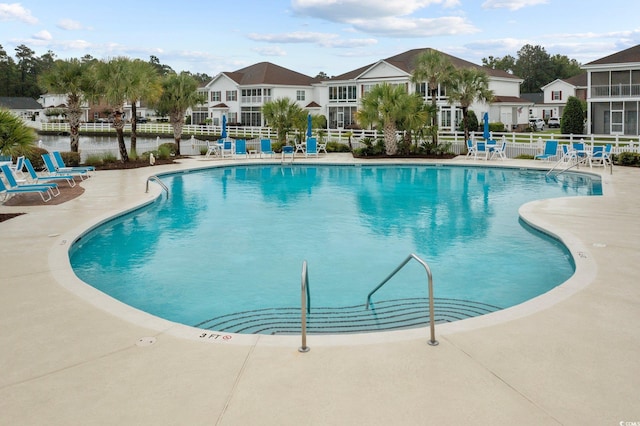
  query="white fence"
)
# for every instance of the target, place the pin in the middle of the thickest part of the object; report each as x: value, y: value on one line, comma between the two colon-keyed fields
x: 195, y: 139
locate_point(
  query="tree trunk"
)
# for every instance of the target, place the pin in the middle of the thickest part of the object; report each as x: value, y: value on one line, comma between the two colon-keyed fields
x: 118, y: 124
x: 134, y: 127
x: 390, y: 142
x: 465, y: 122
x: 434, y: 119
x: 177, y: 123
x: 74, y: 114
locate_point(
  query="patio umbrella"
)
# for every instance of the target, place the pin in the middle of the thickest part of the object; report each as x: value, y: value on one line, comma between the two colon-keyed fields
x: 224, y: 127
x: 309, y: 125
x: 485, y: 134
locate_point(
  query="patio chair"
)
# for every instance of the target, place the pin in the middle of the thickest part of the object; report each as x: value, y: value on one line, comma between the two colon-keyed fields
x: 301, y: 147
x: 226, y: 149
x: 312, y: 147
x: 288, y: 151
x: 44, y: 179
x: 240, y: 148
x: 7, y: 192
x: 600, y: 156
x: 471, y: 149
x: 481, y: 149
x: 322, y: 147
x: 581, y: 152
x: 550, y: 150
x: 13, y: 183
x: 61, y: 167
x: 53, y: 171
x: 265, y: 147
x: 213, y: 148
x: 499, y: 150
x: 18, y: 167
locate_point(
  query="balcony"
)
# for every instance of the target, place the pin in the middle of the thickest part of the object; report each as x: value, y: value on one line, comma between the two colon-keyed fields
x: 616, y: 91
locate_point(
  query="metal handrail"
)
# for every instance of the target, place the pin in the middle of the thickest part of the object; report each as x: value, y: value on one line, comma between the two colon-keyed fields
x: 157, y: 180
x: 432, y: 341
x: 304, y: 307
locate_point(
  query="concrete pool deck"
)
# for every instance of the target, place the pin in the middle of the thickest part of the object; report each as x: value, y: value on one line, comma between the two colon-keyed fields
x: 72, y: 356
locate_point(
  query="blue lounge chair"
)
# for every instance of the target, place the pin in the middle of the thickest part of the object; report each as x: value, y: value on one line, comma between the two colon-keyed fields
x: 13, y: 183
x: 61, y: 167
x: 53, y: 171
x: 550, y: 150
x: 241, y: 148
x: 600, y: 156
x: 312, y: 147
x: 265, y: 147
x: 44, y: 179
x: 7, y: 192
x: 18, y: 167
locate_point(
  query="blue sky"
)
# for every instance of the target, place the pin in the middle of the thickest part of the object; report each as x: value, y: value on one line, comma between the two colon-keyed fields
x: 309, y: 36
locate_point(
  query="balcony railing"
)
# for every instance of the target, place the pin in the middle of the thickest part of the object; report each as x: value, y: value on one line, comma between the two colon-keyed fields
x: 616, y: 91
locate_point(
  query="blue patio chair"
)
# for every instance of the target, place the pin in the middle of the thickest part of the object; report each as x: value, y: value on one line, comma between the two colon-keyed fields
x: 550, y: 150
x: 600, y: 156
x: 499, y: 150
x: 265, y: 147
x: 312, y: 147
x: 44, y: 179
x: 18, y: 167
x: 288, y: 151
x: 481, y: 149
x: 13, y: 183
x: 471, y: 149
x: 53, y: 170
x: 241, y: 148
x: 7, y: 192
x: 61, y: 167
x: 226, y: 148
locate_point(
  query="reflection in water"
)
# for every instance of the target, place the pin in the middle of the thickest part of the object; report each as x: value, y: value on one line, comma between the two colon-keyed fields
x: 233, y: 238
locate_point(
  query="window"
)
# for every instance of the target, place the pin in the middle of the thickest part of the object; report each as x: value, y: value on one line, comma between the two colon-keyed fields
x: 216, y: 96
x: 421, y: 89
x: 256, y: 96
x: 232, y: 95
x: 342, y: 93
x: 300, y: 95
x: 556, y: 95
x: 251, y: 116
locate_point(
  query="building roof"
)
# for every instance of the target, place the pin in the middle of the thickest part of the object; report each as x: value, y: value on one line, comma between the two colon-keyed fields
x: 406, y: 62
x: 626, y: 56
x: 510, y: 100
x: 267, y: 73
x: 16, y: 103
x: 579, y: 80
x: 536, y: 98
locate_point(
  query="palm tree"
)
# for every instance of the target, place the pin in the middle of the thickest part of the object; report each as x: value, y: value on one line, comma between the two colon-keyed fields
x: 73, y: 78
x: 467, y: 86
x: 144, y: 84
x: 385, y: 106
x: 283, y: 115
x: 113, y: 83
x: 434, y: 68
x: 16, y: 138
x: 179, y: 93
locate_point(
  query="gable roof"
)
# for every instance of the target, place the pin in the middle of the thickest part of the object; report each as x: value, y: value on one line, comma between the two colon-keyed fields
x: 626, y: 56
x: 579, y: 80
x: 14, y: 103
x: 406, y: 62
x: 267, y: 73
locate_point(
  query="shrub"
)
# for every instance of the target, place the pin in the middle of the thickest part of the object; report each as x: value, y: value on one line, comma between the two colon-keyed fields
x: 337, y: 147
x: 34, y: 154
x: 496, y: 127
x: 572, y: 117
x: 627, y: 159
x: 94, y: 160
x: 170, y: 147
x: 370, y: 148
x: 71, y: 159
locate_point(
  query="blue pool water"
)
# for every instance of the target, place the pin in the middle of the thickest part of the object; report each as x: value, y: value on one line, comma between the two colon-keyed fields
x: 232, y: 240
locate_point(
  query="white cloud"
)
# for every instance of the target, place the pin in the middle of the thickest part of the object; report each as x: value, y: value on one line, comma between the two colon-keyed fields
x: 342, y: 10
x: 15, y: 12
x: 43, y: 35
x: 419, y: 27
x: 270, y: 51
x: 511, y: 4
x: 70, y: 25
x: 320, y: 39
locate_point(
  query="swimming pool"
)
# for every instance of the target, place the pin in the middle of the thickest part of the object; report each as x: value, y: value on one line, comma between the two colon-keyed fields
x: 225, y: 250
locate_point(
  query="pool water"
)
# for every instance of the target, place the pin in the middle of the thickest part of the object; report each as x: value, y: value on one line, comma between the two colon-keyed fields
x: 232, y: 240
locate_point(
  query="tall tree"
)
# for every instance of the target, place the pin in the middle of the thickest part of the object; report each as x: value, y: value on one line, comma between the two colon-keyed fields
x: 283, y: 115
x: 534, y: 66
x: 572, y: 117
x: 179, y: 93
x: 144, y: 85
x: 506, y: 63
x: 112, y: 78
x: 73, y: 78
x: 8, y: 78
x: 385, y: 106
x: 28, y: 71
x: 160, y: 68
x: 434, y: 68
x: 467, y: 86
x: 563, y: 67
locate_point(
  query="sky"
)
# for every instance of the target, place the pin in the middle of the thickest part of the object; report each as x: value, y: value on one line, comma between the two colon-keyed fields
x: 313, y: 36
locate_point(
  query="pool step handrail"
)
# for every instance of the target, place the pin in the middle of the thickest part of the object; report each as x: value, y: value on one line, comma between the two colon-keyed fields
x: 432, y: 341
x: 157, y: 180
x: 304, y: 307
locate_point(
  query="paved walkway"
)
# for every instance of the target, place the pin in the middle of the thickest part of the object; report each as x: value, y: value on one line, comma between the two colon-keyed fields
x: 71, y: 356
